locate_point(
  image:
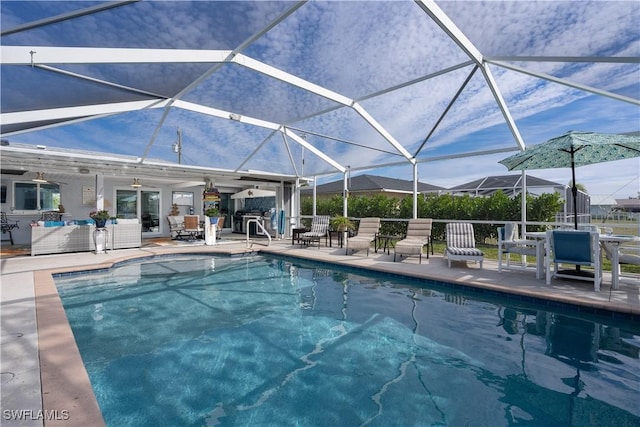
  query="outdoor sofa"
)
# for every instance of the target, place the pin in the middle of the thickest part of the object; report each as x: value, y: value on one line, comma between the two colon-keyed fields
x: 54, y: 237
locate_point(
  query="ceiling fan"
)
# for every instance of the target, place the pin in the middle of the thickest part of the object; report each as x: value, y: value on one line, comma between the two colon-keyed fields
x: 41, y: 179
x: 136, y: 184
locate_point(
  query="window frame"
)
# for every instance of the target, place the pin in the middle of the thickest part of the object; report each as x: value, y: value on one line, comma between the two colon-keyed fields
x: 39, y: 188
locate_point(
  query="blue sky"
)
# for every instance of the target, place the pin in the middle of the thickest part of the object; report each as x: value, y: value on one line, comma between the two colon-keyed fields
x: 356, y: 49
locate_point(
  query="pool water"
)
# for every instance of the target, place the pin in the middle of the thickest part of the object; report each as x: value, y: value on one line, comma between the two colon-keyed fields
x: 260, y: 341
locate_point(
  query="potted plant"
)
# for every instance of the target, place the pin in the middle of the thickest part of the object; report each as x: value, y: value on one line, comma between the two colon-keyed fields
x: 212, y: 213
x: 100, y: 217
x: 341, y: 223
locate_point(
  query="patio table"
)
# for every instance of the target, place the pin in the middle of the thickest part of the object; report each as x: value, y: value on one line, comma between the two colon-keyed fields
x: 615, y: 239
x: 384, y: 241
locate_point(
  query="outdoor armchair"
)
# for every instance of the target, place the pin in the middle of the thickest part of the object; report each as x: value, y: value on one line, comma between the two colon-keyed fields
x: 619, y: 255
x: 418, y: 235
x: 509, y: 242
x: 319, y: 229
x: 176, y: 226
x: 192, y: 227
x: 576, y: 247
x: 461, y: 243
x: 367, y: 231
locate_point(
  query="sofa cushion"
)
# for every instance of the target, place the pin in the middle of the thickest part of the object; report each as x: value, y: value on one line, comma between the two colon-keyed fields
x: 128, y: 221
x: 53, y: 223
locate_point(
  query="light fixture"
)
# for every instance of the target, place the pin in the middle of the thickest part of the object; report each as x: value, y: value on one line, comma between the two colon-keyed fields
x: 39, y: 177
x: 136, y: 183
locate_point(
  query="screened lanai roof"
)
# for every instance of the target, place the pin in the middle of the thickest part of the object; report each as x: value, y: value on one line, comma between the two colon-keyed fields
x: 311, y: 88
x: 509, y: 184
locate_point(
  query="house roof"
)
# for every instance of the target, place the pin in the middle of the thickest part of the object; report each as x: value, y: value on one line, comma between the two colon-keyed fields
x: 372, y: 183
x: 507, y: 183
x: 630, y: 205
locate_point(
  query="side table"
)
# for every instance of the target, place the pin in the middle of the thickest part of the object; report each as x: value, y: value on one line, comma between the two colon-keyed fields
x: 339, y: 235
x: 295, y: 234
x: 384, y: 241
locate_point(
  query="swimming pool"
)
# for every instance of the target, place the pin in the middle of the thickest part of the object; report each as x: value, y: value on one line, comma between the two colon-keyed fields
x: 204, y: 341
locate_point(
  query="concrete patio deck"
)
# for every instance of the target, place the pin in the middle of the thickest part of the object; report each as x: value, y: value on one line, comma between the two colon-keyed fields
x: 44, y: 381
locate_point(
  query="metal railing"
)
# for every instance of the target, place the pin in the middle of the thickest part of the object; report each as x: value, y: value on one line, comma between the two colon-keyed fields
x: 259, y: 227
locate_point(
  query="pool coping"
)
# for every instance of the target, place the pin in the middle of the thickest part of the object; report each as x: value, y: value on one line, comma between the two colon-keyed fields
x: 60, y: 358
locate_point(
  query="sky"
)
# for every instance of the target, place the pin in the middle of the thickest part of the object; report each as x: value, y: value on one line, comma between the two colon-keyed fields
x: 366, y: 51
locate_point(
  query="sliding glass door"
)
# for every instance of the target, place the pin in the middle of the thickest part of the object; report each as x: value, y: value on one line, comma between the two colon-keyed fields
x: 143, y: 204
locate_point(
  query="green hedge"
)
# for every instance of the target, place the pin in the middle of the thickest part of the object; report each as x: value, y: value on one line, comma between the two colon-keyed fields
x: 497, y: 207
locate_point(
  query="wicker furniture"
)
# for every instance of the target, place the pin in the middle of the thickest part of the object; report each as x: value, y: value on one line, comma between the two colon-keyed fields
x: 79, y: 238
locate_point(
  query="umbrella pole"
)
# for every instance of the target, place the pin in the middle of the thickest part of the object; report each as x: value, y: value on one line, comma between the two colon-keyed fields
x: 574, y: 191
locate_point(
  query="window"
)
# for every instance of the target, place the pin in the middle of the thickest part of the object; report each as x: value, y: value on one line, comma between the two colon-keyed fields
x: 33, y: 196
x: 140, y: 203
x: 183, y: 198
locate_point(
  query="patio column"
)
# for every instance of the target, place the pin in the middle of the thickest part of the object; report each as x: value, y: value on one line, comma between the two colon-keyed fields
x: 100, y: 192
x: 415, y: 190
x: 345, y: 192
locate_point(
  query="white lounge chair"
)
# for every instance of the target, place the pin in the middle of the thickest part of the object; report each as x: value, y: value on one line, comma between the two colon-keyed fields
x: 461, y: 243
x: 418, y: 235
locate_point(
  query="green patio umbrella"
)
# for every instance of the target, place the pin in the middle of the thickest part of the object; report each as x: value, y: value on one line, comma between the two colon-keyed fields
x: 575, y: 149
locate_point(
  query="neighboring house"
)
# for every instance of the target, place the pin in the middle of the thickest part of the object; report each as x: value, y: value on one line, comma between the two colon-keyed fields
x: 512, y: 186
x: 508, y: 184
x: 369, y: 185
x: 601, y: 205
x: 627, y: 205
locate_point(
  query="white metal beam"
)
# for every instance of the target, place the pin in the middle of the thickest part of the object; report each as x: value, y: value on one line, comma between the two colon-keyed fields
x: 446, y: 24
x: 313, y: 149
x: 276, y: 73
x: 382, y: 131
x: 566, y: 82
x: 591, y: 59
x: 502, y: 105
x: 223, y: 114
x: 30, y: 55
x: 81, y: 111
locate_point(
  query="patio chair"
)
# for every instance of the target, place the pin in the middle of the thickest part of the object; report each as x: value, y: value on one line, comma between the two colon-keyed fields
x: 319, y: 229
x: 6, y: 226
x: 192, y: 227
x: 418, y: 235
x: 367, y: 231
x: 619, y: 255
x: 510, y: 243
x: 50, y: 216
x: 176, y: 226
x: 461, y: 243
x: 573, y: 247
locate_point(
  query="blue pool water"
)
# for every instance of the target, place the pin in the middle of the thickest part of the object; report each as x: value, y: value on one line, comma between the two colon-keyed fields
x: 259, y: 341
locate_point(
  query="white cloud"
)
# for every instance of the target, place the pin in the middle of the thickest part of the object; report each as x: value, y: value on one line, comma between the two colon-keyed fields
x: 357, y: 48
